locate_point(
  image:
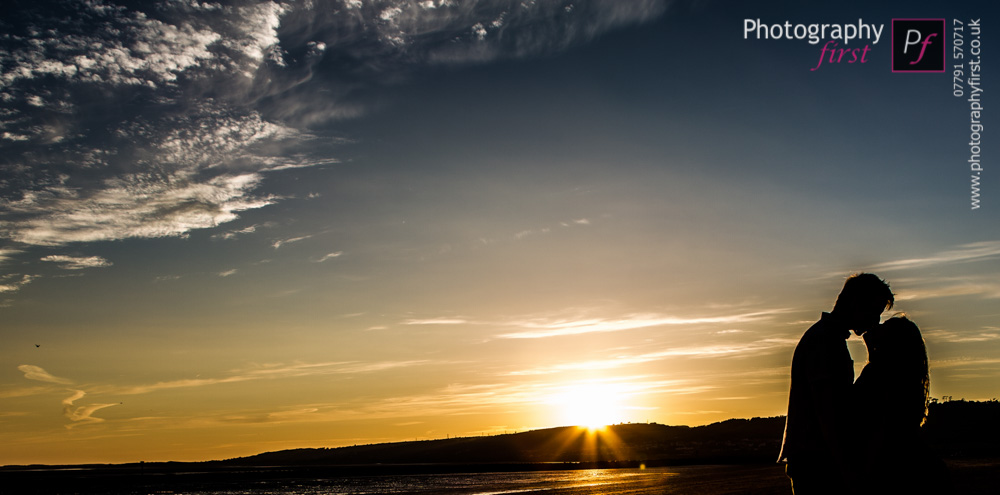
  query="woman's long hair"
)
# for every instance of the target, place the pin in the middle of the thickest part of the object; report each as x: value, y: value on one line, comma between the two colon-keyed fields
x: 901, y: 351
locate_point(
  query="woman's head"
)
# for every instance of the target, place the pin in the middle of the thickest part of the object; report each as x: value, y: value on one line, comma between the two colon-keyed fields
x: 899, y: 348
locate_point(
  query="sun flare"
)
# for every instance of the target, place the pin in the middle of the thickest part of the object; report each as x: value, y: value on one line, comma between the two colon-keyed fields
x: 592, y: 405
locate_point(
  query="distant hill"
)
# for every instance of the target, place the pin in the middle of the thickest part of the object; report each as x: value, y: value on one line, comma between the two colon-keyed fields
x: 735, y: 440
x: 954, y: 429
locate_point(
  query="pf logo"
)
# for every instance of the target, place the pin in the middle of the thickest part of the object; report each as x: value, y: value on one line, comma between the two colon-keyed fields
x: 918, y: 45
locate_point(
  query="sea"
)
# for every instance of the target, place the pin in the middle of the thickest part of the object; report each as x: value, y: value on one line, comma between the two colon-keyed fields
x: 969, y: 477
x: 692, y: 480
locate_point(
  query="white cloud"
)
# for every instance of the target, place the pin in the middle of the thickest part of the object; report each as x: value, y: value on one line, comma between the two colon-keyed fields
x: 36, y: 373
x: 695, y: 352
x: 16, y: 286
x: 542, y: 328
x: 950, y: 336
x: 81, y: 414
x: 528, y: 28
x: 276, y: 371
x: 24, y: 392
x: 976, y: 251
x: 436, y: 321
x: 233, y: 234
x: 126, y: 47
x: 479, y: 31
x: 281, y: 242
x: 330, y: 256
x: 228, y: 273
x: 970, y: 363
x: 129, y: 207
x: 973, y: 286
x: 120, y: 48
x: 78, y: 262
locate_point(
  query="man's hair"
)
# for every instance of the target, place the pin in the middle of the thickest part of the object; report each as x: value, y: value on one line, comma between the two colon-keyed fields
x: 866, y: 287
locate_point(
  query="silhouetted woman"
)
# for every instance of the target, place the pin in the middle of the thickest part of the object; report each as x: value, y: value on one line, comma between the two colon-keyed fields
x: 892, y: 394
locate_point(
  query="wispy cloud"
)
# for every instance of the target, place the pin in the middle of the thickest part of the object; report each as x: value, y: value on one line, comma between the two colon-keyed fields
x: 33, y: 372
x: 976, y: 251
x: 743, y: 350
x: 270, y: 372
x: 932, y: 289
x: 228, y: 273
x: 281, y: 242
x: 81, y: 414
x: 436, y: 321
x: 122, y: 209
x: 330, y: 256
x: 78, y: 262
x: 953, y: 337
x: 174, y: 384
x: 560, y: 327
x: 972, y: 363
x: 580, y: 222
x: 24, y: 392
x: 7, y: 285
x: 233, y: 234
x: 7, y: 253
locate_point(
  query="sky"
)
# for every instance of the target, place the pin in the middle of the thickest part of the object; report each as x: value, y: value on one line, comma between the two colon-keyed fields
x: 235, y: 227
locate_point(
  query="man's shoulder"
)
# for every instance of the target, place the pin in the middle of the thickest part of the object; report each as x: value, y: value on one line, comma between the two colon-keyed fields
x: 816, y: 331
x: 824, y: 337
x: 827, y: 327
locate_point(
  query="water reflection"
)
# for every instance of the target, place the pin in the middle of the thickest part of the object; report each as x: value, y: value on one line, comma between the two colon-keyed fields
x: 680, y: 480
x: 590, y: 481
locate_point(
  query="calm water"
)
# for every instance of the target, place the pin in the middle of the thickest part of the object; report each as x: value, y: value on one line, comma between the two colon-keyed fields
x: 686, y: 480
x: 549, y: 482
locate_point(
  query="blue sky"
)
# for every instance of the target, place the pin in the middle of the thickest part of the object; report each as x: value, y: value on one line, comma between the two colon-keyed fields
x: 237, y: 227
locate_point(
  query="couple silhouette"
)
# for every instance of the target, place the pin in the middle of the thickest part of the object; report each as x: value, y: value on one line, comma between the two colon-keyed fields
x: 844, y: 436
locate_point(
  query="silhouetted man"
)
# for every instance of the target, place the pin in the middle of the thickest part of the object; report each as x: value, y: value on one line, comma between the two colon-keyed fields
x: 816, y: 446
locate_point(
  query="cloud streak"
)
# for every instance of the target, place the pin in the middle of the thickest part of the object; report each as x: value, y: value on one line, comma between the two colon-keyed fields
x: 10, y: 285
x: 976, y: 251
x: 270, y: 372
x: 281, y: 242
x: 81, y: 414
x: 536, y: 329
x: 330, y: 256
x: 78, y: 262
x: 696, y: 352
x: 436, y: 321
x: 36, y: 373
x: 947, y: 288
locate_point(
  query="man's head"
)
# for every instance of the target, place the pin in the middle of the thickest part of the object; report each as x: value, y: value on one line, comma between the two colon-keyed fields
x: 862, y: 301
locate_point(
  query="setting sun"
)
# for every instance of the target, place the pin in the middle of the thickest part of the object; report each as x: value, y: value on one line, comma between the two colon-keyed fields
x: 593, y: 405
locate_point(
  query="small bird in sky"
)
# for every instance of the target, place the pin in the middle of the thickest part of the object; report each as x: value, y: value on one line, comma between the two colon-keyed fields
x: 38, y: 345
